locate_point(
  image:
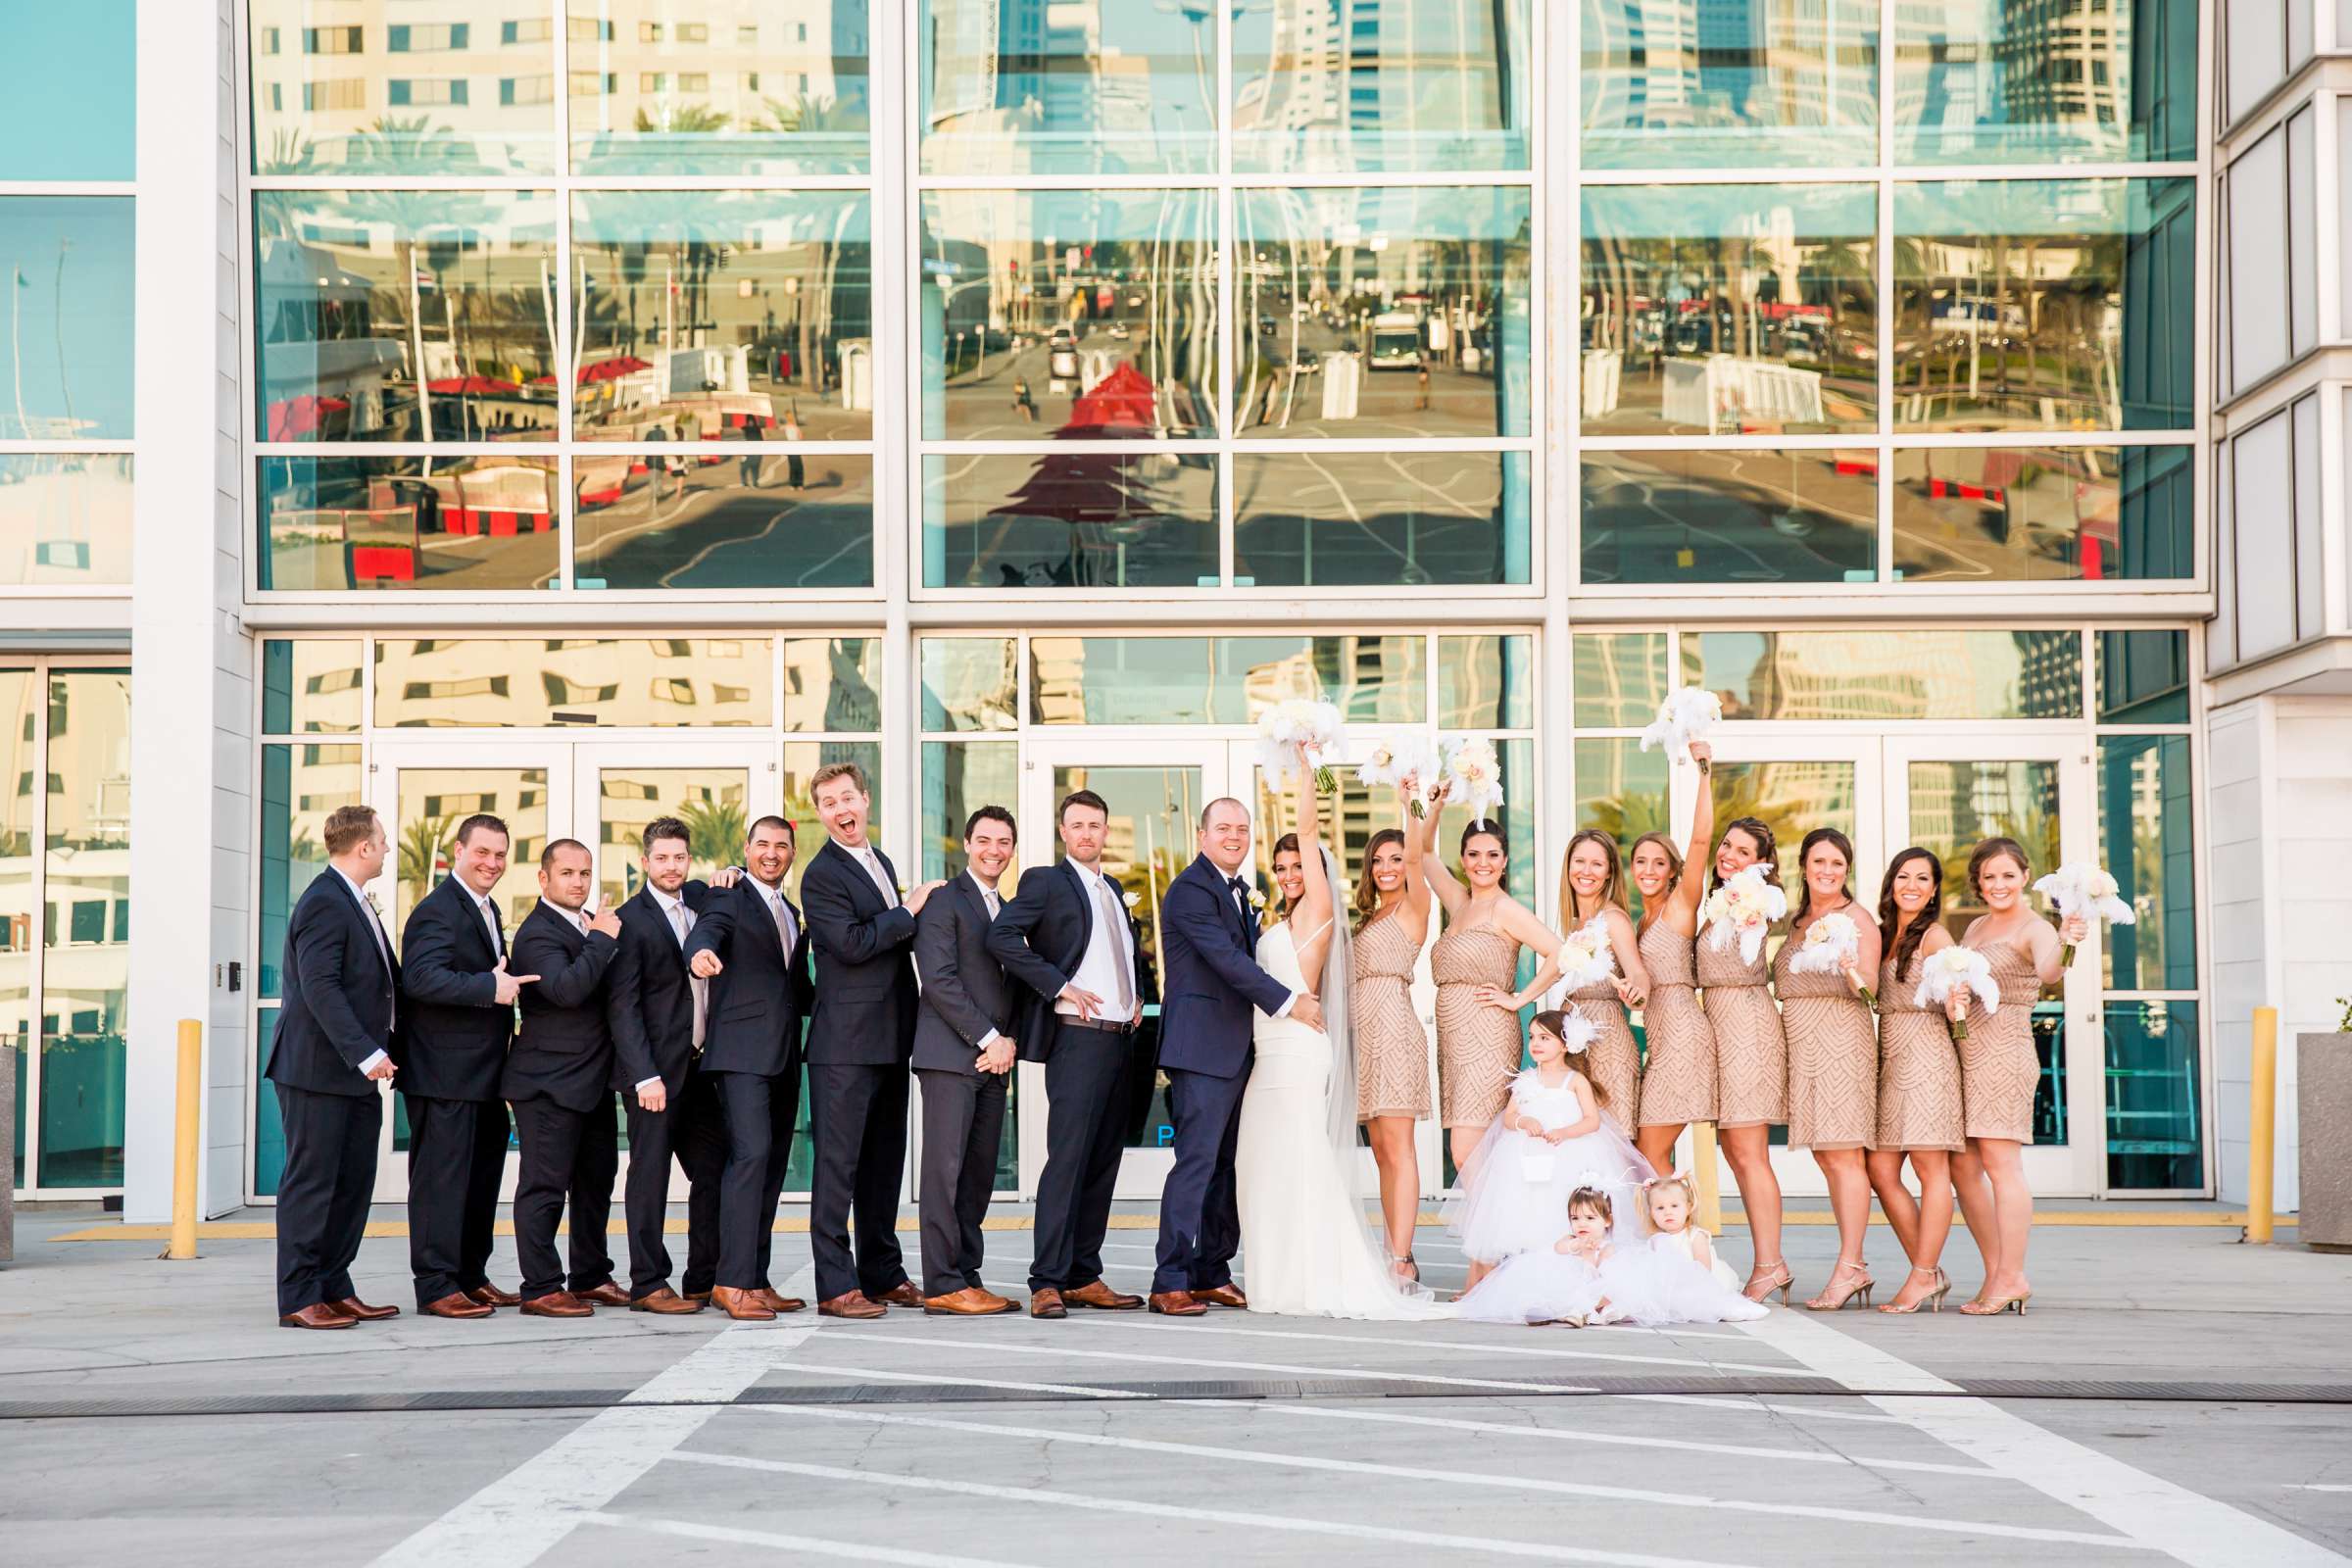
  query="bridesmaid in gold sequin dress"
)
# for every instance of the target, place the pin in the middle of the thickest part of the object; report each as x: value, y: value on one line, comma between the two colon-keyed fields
x: 1391, y: 1053
x: 1751, y: 1064
x: 1678, y: 1081
x: 1592, y: 888
x: 1999, y: 1067
x: 1918, y: 1081
x: 1833, y: 1057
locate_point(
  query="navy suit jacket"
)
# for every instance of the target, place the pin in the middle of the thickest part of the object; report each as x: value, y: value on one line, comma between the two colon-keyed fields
x: 966, y: 992
x: 337, y: 1008
x: 453, y: 1034
x: 648, y: 997
x: 564, y: 1051
x: 759, y: 999
x: 1207, y: 946
x: 1040, y: 938
x: 863, y: 950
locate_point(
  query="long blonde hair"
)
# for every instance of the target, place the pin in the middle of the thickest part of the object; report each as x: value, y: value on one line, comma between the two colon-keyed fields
x: 1612, y: 892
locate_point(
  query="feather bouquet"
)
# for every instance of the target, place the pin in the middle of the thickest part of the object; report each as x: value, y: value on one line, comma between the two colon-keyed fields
x: 1587, y: 958
x: 1956, y: 971
x: 1296, y: 728
x: 1831, y: 947
x: 1476, y: 775
x: 1405, y: 757
x: 1577, y: 1033
x: 1688, y: 714
x: 1742, y: 911
x: 2085, y: 890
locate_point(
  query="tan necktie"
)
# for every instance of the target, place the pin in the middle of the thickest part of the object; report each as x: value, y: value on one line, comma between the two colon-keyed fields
x: 784, y: 929
x: 874, y: 870
x: 681, y: 921
x: 996, y: 905
x: 1116, y: 924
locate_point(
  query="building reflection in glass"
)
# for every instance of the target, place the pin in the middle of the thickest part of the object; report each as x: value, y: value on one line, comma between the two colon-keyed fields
x: 2043, y: 514
x: 66, y: 262
x: 1399, y: 312
x: 405, y: 316
x: 1068, y: 86
x: 65, y: 518
x: 1342, y: 86
x: 1070, y: 314
x: 426, y: 522
x: 1383, y: 519
x: 85, y: 971
x: 1729, y: 83
x: 1725, y: 310
x: 969, y: 683
x: 1725, y: 516
x: 759, y: 515
x: 2044, y: 80
x: 1078, y: 518
x: 832, y: 685
x: 302, y: 786
x: 1487, y: 682
x: 1619, y: 676
x: 1223, y: 680
x: 2044, y: 304
x: 1888, y: 674
x: 718, y: 87
x: 573, y: 682
x: 1621, y: 789
x: 19, y: 908
x: 722, y: 315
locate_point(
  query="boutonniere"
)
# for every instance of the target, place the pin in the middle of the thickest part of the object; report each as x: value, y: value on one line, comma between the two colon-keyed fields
x: 375, y: 905
x: 1257, y: 899
x: 1128, y: 898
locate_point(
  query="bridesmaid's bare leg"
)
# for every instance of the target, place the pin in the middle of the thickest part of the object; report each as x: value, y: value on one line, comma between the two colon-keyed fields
x: 1975, y: 1196
x: 1886, y: 1167
x: 1843, y: 1171
x: 1933, y: 1225
x: 1749, y: 1151
x: 1400, y: 1167
x: 1656, y: 1139
x: 2012, y: 1214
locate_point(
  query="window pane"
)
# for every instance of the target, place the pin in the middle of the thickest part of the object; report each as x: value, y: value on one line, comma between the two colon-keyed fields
x: 1421, y: 87
x: 802, y: 760
x: 2143, y: 677
x: 1621, y: 789
x: 70, y: 316
x: 2263, y: 470
x: 1119, y: 681
x: 969, y: 683
x: 431, y: 801
x: 1076, y: 517
x: 1371, y: 680
x: 2032, y: 304
x: 269, y: 1128
x: 70, y: 112
x: 473, y: 525
x: 722, y: 315
x: 1686, y: 84
x: 1517, y: 814
x: 1083, y: 315
x: 2155, y: 1111
x: 1620, y: 677
x: 958, y: 779
x: 1791, y: 798
x: 1383, y: 313
x: 65, y: 519
x: 717, y: 88
x: 1383, y: 520
x: 1729, y: 516
x: 354, y: 290
x: 86, y: 979
x: 2309, y: 581
x: 18, y: 916
x: 302, y: 786
x: 2302, y: 232
x: 1487, y: 682
x: 1888, y: 674
x: 711, y: 801
x: 338, y: 100
x: 1115, y: 90
x: 2256, y: 53
x: 760, y: 517
x: 832, y: 685
x: 1724, y: 309
x: 1956, y: 805
x: 2145, y: 841
x: 2095, y: 83
x: 2043, y: 514
x: 490, y: 683
x: 2255, y: 213
x: 310, y: 686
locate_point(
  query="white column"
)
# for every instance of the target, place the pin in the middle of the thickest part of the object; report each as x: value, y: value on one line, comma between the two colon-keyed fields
x: 191, y: 663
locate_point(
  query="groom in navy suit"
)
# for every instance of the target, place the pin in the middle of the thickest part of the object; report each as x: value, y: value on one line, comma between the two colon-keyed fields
x: 1211, y: 983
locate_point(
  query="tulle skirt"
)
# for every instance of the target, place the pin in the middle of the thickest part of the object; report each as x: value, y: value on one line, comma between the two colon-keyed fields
x: 1634, y: 1284
x: 1541, y: 1286
x: 1516, y: 1190
x: 1659, y: 1284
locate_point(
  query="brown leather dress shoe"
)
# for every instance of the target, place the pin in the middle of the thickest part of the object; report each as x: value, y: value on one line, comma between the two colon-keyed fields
x: 666, y: 1302
x: 744, y: 1306
x: 767, y: 1297
x: 353, y: 1306
x: 1047, y: 1303
x: 1177, y: 1303
x: 1102, y: 1298
x: 492, y: 1296
x: 456, y: 1303
x: 902, y: 1293
x: 966, y: 1303
x: 605, y: 1295
x: 700, y: 1298
x: 319, y: 1315
x: 557, y: 1304
x: 1223, y: 1295
x: 851, y: 1304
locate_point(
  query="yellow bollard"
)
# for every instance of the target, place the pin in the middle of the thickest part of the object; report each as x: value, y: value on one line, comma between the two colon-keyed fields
x: 185, y: 1141
x: 2261, y: 1134
x: 1709, y: 1217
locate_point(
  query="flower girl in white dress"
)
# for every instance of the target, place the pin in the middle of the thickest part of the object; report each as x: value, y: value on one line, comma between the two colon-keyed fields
x: 1689, y: 1283
x: 1574, y: 1281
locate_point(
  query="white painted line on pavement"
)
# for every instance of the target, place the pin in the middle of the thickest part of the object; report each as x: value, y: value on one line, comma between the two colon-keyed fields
x: 1218, y: 1323
x: 2156, y: 1514
x: 2312, y: 1485
x: 852, y: 1551
x: 1757, y: 1404
x: 1478, y: 1479
x: 522, y: 1515
x: 1540, y: 1549
x: 963, y: 1383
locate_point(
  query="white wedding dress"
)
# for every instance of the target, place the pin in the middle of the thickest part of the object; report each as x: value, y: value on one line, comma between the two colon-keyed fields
x: 1307, y: 1246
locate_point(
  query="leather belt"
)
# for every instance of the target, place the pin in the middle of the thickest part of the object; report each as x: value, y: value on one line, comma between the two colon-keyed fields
x: 1069, y: 1020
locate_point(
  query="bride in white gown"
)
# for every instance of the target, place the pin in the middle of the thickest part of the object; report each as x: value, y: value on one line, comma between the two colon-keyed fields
x: 1307, y: 1246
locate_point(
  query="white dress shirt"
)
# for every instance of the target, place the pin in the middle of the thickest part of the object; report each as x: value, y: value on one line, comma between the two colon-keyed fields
x: 383, y: 950
x: 1109, y: 957
x: 994, y: 905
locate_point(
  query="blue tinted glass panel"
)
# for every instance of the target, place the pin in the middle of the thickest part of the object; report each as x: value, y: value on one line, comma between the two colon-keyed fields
x: 2146, y: 807
x: 70, y: 110
x: 2155, y: 1107
x: 66, y: 262
x: 2076, y: 82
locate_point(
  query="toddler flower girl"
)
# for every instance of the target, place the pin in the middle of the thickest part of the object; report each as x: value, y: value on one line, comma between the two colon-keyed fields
x: 1572, y: 1281
x: 1688, y: 1283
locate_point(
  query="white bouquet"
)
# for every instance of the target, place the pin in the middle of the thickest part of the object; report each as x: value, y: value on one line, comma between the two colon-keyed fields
x: 1831, y: 947
x: 1954, y: 971
x: 1293, y: 729
x: 1476, y: 775
x: 1688, y: 714
x: 1742, y: 909
x: 2085, y: 890
x: 1587, y: 958
x: 1407, y: 756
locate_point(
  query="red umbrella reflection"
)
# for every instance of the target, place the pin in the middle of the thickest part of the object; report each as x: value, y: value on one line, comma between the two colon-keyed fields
x: 301, y: 416
x: 1121, y: 402
x: 473, y: 386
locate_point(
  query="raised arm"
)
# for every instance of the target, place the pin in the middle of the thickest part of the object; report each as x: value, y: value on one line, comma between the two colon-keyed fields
x: 1416, y: 886
x: 1701, y: 850
x: 1450, y: 892
x: 1310, y: 922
